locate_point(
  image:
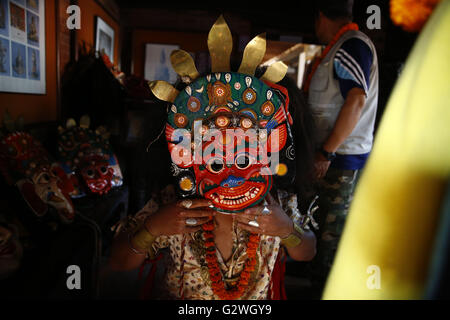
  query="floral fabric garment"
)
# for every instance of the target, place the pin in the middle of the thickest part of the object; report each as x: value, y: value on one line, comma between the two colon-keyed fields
x: 186, y: 275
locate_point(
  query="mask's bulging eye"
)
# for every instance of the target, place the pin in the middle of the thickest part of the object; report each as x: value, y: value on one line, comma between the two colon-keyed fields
x: 103, y: 170
x: 243, y: 161
x: 215, y: 165
x: 90, y: 173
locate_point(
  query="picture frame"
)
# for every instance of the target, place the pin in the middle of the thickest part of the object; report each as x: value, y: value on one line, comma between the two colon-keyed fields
x: 157, y: 62
x: 104, y: 38
x: 22, y: 46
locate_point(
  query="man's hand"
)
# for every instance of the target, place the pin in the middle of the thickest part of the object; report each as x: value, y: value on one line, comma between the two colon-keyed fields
x: 346, y: 121
x: 321, y: 165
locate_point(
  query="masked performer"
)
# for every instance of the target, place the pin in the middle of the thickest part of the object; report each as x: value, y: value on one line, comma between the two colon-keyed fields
x: 229, y: 136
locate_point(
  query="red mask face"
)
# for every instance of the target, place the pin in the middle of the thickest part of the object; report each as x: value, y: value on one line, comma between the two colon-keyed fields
x: 87, y: 158
x: 220, y: 131
x: 232, y: 181
x: 97, y: 175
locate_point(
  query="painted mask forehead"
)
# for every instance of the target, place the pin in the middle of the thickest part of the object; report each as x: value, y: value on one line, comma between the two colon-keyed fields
x: 224, y: 93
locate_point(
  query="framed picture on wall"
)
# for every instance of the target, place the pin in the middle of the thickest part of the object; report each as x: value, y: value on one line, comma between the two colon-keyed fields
x: 104, y: 38
x: 157, y: 62
x: 22, y: 46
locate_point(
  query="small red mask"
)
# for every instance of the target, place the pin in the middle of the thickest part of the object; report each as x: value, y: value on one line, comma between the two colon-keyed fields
x: 97, y: 174
x: 87, y: 157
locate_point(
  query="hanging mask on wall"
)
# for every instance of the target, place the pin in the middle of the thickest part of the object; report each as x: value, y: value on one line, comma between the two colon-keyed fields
x: 228, y: 132
x: 87, y: 157
x: 40, y: 179
x: 11, y: 250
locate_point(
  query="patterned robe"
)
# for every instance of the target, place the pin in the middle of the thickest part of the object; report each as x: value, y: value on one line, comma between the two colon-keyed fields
x: 186, y: 273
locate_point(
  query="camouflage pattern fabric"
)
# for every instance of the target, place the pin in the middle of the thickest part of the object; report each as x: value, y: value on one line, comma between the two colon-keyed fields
x: 335, y: 195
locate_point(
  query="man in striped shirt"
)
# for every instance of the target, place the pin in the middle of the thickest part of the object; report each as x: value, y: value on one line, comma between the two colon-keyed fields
x: 343, y: 96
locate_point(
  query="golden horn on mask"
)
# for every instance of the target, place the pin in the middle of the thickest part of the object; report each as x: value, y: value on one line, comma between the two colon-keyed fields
x: 183, y: 64
x: 163, y: 90
x: 275, y: 72
x: 253, y: 54
x: 220, y: 45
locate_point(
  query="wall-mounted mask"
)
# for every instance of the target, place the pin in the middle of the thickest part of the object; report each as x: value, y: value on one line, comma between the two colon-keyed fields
x: 41, y: 180
x: 11, y: 249
x: 87, y: 157
x: 228, y: 132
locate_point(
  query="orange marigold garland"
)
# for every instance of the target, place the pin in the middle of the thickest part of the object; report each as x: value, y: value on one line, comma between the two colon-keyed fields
x: 411, y: 15
x: 344, y: 29
x: 215, y: 274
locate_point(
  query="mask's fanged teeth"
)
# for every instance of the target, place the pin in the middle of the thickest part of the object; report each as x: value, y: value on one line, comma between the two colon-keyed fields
x: 221, y: 196
x: 255, y: 175
x: 247, y: 193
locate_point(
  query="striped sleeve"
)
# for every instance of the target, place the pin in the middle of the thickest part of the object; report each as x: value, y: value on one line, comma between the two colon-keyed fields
x: 352, y: 64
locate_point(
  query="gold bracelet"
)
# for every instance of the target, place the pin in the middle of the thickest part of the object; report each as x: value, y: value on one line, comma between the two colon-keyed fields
x: 142, y: 239
x: 293, y: 240
x: 131, y: 246
x: 299, y: 229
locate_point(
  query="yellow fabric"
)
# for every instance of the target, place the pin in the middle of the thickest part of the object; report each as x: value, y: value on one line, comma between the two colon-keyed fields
x: 394, y: 215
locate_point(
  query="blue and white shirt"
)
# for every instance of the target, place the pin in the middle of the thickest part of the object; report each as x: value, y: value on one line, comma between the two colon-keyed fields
x: 352, y: 64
